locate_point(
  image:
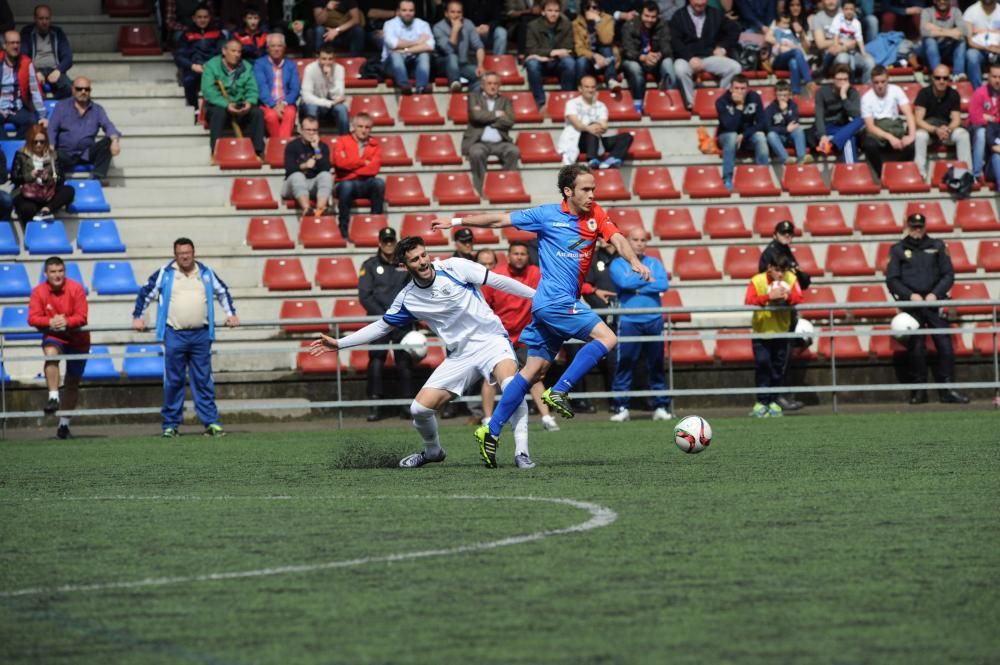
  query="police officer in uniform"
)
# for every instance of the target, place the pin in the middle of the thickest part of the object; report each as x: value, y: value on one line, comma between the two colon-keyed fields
x: 463, y: 245
x: 920, y: 269
x: 379, y: 280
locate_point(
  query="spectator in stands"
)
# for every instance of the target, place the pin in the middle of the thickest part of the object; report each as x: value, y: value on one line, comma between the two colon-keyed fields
x: 783, y: 128
x: 278, y: 85
x: 800, y: 23
x: 379, y: 280
x: 252, y: 35
x: 586, y: 130
x: 339, y: 22
x: 982, y: 32
x: 323, y: 92
x: 839, y: 38
x: 634, y: 292
x: 464, y: 244
x: 50, y: 52
x: 58, y: 308
x: 938, y: 116
x: 73, y: 132
x: 518, y: 15
x: 21, y: 100
x: 920, y: 270
x: 777, y: 285
x: 487, y: 17
x: 357, y: 160
x: 185, y: 323
x: 41, y: 191
x: 491, y: 117
x: 460, y: 51
x: 741, y: 126
x: 890, y: 129
x: 991, y: 167
x: 307, y: 169
x: 231, y: 95
x: 487, y: 257
x: 594, y: 44
x: 942, y: 32
x: 646, y: 50
x: 703, y: 39
x: 788, y: 52
x: 6, y: 200
x: 196, y: 45
x: 838, y: 115
x: 376, y: 13
x: 175, y: 15
x: 409, y: 42
x: 983, y: 110
x: 549, y: 50
x: 902, y: 15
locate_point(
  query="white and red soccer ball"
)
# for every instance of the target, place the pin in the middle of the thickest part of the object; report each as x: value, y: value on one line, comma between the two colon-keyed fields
x: 693, y: 434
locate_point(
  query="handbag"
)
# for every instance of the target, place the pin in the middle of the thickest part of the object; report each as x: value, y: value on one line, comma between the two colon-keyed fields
x: 39, y: 192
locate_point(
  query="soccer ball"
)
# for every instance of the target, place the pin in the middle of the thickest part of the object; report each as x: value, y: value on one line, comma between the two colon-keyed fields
x: 693, y: 434
x: 414, y: 343
x: 903, y: 322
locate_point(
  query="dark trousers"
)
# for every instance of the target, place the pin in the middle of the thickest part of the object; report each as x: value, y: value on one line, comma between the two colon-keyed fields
x: 629, y: 355
x: 6, y: 204
x: 252, y: 124
x: 353, y: 40
x: 191, y: 82
x: 23, y: 120
x: 593, y: 146
x: 100, y: 157
x: 770, y: 361
x: 877, y: 154
x: 28, y: 208
x: 188, y: 352
x: 62, y: 88
x: 370, y: 188
x: 404, y: 367
x: 916, y: 348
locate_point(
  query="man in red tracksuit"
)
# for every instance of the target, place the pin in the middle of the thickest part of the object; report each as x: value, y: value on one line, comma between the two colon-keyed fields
x: 58, y: 308
x: 356, y: 163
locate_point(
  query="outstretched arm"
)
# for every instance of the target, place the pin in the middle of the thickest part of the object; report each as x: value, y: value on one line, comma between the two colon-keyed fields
x: 509, y: 284
x: 373, y: 331
x: 494, y: 220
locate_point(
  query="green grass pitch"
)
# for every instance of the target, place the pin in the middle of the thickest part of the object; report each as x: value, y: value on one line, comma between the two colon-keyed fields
x: 824, y: 539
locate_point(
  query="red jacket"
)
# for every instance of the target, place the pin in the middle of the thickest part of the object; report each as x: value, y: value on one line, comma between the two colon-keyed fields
x: 348, y: 164
x: 24, y: 79
x: 514, y: 311
x: 71, y: 302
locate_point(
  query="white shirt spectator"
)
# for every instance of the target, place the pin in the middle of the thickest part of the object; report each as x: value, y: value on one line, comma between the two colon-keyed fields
x: 843, y: 30
x: 394, y: 30
x: 569, y: 140
x: 986, y: 25
x: 882, y: 108
x: 318, y: 90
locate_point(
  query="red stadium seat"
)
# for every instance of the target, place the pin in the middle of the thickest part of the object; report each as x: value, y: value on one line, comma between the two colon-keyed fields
x: 985, y: 343
x: 875, y: 219
x: 302, y: 63
x: 807, y: 260
x: 704, y: 103
x: 826, y: 219
x: 654, y: 182
x: 419, y: 110
x: 847, y: 261
x: 665, y: 105
x: 343, y: 307
x: 359, y: 361
x: 957, y: 344
x: 506, y: 67
x: 611, y: 186
x: 285, y: 275
x: 941, y: 167
x: 252, y: 194
x: 364, y: 229
x: 911, y: 90
x: 435, y: 354
x: 405, y: 190
x: 965, y: 91
x: 931, y: 210
x: 128, y: 8
x: 235, y: 154
x: 393, y: 152
x: 903, y: 178
x: 959, y: 259
x: 725, y: 222
x: 741, y: 261
x: 973, y: 216
x: 672, y: 298
x: 675, y: 224
x: 882, y: 256
x: 336, y: 273
x: 274, y: 153
x: 320, y: 232
x: 416, y: 224
x: 704, y: 182
x: 844, y: 347
x: 480, y: 235
x: 988, y: 255
x: 766, y: 217
x: 642, y: 144
x: 505, y: 187
x: 685, y: 348
x: 537, y: 148
x: 331, y: 143
x: 853, y: 179
x: 373, y: 105
x: 807, y: 106
x: 302, y: 309
x: 310, y: 364
x: 626, y: 219
x: 352, y: 73
x: 555, y: 108
x: 971, y: 291
x: 454, y: 189
x: 734, y: 350
x: 857, y: 293
x: 525, y: 108
x: 268, y: 233
x: 754, y: 180
x: 883, y: 345
x: 621, y: 107
x: 458, y: 108
x: 511, y: 234
x: 821, y: 295
x: 804, y: 180
x: 139, y: 40
x: 694, y: 263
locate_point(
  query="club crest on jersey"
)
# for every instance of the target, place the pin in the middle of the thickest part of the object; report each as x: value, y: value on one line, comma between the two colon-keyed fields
x: 591, y: 224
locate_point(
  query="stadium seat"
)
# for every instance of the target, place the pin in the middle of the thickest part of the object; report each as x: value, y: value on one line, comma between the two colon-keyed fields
x: 251, y: 194
x: 321, y: 232
x: 753, y: 180
x: 114, y: 278
x: 853, y: 179
x: 694, y: 263
x: 766, y: 217
x: 665, y: 105
x: 537, y: 148
x: 988, y: 255
x: 672, y: 298
x: 686, y: 348
x: 434, y: 150
x: 807, y: 260
x: 910, y: 89
x: 352, y: 73
x: 903, y: 178
x: 931, y: 210
x: 435, y: 354
x: 971, y: 291
x: 139, y: 40
x: 847, y: 261
x: 883, y: 345
x: 374, y: 105
x: 268, y: 233
x: 363, y: 231
x: 974, y: 216
x: 725, y: 222
x: 704, y: 182
x: 875, y: 219
x: 733, y: 350
x: 611, y: 186
x: 419, y: 110
x: 302, y: 309
x: 310, y: 364
x: 704, y: 103
x: 675, y: 224
x: 233, y: 153
x: 621, y: 107
x: 99, y: 236
x: 804, y: 180
x: 506, y: 68
x: 505, y: 187
x: 10, y: 148
x: 416, y: 224
x: 959, y: 258
x: 72, y: 272
x: 626, y: 219
x: 331, y: 143
x: 642, y: 144
x: 143, y: 367
x: 452, y: 189
x: 957, y: 345
x: 285, y: 275
x: 555, y: 107
x: 821, y: 295
x: 336, y: 273
x: 525, y: 109
x: 985, y: 343
x: 348, y: 307
x: 844, y: 347
x: 405, y: 190
x: 274, y: 152
x: 941, y: 167
x: 89, y: 197
x: 100, y: 369
x: 826, y: 219
x: 359, y: 361
x: 741, y: 261
x: 393, y: 152
x: 458, y: 108
x: 511, y: 234
x: 857, y: 293
x: 480, y: 235
x: 16, y: 316
x: 882, y: 256
x: 302, y: 63
x: 47, y: 238
x: 654, y: 182
x: 128, y: 8
x: 8, y: 241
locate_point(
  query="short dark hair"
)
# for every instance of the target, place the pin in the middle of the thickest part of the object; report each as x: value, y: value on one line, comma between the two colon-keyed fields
x: 251, y: 10
x: 183, y: 241
x: 53, y: 261
x: 568, y: 175
x: 840, y: 68
x: 739, y: 78
x: 779, y: 261
x: 848, y: 2
x: 200, y: 6
x: 328, y: 47
x: 650, y: 6
x: 485, y: 250
x: 518, y: 243
x: 310, y: 118
x: 404, y: 246
x: 879, y: 70
x: 448, y: 4
x: 552, y: 2
x: 400, y: 4
x: 782, y: 85
x: 994, y: 64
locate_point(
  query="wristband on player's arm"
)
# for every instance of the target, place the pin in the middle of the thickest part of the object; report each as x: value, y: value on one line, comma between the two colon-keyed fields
x: 456, y: 221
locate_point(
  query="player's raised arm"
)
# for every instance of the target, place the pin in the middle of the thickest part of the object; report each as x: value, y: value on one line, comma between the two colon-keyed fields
x: 493, y: 220
x: 373, y: 331
x: 625, y: 251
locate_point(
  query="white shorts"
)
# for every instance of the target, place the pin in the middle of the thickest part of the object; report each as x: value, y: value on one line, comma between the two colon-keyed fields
x: 475, y: 360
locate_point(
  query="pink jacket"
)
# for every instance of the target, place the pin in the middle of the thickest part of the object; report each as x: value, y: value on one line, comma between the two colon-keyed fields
x: 984, y: 102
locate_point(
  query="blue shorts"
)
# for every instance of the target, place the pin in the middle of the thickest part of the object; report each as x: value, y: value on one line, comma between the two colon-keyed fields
x: 551, y: 326
x: 74, y: 367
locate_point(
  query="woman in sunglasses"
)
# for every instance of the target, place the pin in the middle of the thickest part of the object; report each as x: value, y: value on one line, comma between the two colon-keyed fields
x: 40, y: 190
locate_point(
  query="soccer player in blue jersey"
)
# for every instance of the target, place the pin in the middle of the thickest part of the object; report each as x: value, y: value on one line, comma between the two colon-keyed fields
x: 567, y: 233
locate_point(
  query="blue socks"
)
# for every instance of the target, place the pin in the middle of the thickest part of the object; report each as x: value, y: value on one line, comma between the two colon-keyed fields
x: 513, y: 396
x: 585, y: 359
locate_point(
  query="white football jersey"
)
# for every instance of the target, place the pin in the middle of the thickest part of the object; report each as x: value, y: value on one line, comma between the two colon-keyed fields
x: 452, y: 304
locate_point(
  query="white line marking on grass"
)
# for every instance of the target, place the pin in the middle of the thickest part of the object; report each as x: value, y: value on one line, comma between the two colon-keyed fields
x: 599, y: 516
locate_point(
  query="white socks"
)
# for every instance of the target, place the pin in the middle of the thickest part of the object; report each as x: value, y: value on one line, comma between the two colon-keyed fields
x: 64, y: 420
x: 425, y: 421
x: 53, y: 394
x: 519, y: 424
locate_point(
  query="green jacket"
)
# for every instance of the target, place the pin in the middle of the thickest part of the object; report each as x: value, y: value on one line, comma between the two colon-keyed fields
x: 240, y: 84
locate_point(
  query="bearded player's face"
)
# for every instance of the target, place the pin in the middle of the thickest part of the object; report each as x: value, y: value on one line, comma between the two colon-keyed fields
x: 419, y: 264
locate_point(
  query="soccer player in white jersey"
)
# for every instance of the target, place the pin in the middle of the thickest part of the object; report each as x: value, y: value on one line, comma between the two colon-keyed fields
x: 446, y: 295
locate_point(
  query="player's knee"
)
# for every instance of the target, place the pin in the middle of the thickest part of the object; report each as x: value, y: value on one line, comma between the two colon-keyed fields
x: 420, y: 412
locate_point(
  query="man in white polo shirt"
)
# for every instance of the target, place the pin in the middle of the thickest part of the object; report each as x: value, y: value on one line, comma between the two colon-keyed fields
x: 890, y: 128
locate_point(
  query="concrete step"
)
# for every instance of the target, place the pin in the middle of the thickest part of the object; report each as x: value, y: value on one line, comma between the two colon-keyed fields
x: 61, y: 9
x: 101, y: 72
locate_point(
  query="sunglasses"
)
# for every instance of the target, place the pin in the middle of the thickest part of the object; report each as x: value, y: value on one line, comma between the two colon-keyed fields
x: 40, y: 142
x: 941, y: 78
x: 78, y: 89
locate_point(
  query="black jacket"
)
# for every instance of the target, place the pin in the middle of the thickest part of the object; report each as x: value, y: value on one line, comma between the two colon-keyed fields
x: 632, y: 39
x: 776, y: 249
x: 537, y: 39
x: 831, y: 108
x: 919, y: 266
x: 746, y: 121
x: 298, y: 152
x: 718, y: 31
x: 378, y: 283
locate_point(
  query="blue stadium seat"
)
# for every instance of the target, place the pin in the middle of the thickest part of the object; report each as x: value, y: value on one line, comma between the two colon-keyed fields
x: 114, y: 278
x: 47, y: 238
x: 9, y: 147
x: 17, y: 317
x: 14, y: 281
x: 98, y: 369
x: 149, y: 367
x: 72, y: 272
x: 99, y: 235
x: 3, y: 371
x: 8, y: 241
x: 89, y: 197
x: 50, y: 104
